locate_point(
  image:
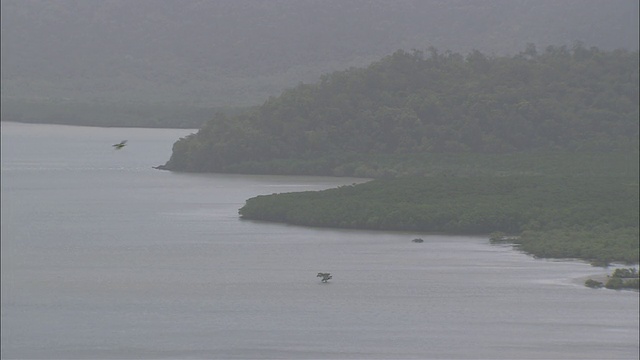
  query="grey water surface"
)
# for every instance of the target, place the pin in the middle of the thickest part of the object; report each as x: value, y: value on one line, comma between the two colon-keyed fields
x: 105, y: 257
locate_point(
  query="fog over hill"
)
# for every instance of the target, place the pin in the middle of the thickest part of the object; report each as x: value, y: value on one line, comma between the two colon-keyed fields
x: 234, y: 53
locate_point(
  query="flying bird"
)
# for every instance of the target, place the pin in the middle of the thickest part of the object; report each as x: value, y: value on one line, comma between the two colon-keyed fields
x: 325, y: 276
x: 120, y: 145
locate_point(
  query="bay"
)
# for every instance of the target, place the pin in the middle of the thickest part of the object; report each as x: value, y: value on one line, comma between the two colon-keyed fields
x: 105, y: 257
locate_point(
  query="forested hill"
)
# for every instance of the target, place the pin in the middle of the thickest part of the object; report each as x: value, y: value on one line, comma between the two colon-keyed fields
x: 413, y: 102
x: 167, y: 63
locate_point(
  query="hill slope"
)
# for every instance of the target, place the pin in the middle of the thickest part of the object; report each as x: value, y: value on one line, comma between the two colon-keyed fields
x: 409, y: 103
x: 237, y: 53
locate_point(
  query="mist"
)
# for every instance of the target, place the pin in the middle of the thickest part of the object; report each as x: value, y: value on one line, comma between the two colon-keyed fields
x: 238, y: 53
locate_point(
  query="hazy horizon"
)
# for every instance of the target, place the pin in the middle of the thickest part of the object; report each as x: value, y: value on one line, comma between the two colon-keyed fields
x: 236, y: 53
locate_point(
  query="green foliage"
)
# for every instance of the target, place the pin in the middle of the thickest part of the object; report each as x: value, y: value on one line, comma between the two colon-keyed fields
x: 626, y: 278
x: 631, y: 284
x: 601, y: 242
x: 408, y: 105
x: 589, y: 217
x: 617, y: 283
x: 593, y: 284
x: 543, y: 145
x: 614, y: 283
x: 625, y: 273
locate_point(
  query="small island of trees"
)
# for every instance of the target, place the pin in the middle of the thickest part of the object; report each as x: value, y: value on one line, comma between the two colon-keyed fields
x: 619, y: 280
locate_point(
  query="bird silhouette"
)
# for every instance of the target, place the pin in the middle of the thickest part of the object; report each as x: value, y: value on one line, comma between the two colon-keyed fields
x: 120, y: 145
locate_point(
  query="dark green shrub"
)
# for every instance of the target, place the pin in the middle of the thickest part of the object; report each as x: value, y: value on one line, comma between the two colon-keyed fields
x: 625, y: 273
x: 614, y: 283
x: 593, y: 284
x: 632, y: 284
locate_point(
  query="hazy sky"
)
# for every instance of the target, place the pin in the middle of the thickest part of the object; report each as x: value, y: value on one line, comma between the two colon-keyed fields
x: 162, y: 49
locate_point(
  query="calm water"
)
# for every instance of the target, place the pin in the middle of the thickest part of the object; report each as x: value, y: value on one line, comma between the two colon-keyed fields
x: 105, y: 257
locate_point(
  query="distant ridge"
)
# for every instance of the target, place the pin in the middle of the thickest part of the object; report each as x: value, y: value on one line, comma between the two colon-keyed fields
x: 236, y: 53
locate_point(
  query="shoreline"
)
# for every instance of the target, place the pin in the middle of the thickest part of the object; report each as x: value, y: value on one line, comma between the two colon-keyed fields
x: 603, y: 278
x: 597, y: 277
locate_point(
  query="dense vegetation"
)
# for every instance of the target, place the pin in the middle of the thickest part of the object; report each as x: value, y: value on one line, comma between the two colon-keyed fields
x: 503, y: 131
x: 620, y: 279
x: 540, y: 146
x: 552, y: 215
x: 408, y: 103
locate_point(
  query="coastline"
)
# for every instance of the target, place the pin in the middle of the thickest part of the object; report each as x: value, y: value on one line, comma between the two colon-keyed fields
x: 597, y: 277
x: 603, y: 278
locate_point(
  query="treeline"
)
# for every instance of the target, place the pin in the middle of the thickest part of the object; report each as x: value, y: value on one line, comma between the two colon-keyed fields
x: 412, y: 103
x: 589, y: 217
x: 620, y: 279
